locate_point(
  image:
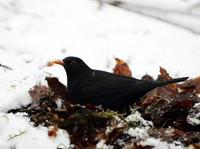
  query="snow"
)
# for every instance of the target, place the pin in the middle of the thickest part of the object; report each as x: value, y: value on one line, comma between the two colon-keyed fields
x: 194, y: 117
x: 34, y: 32
x: 158, y: 144
x: 101, y: 145
x: 194, y: 120
x: 141, y: 131
x: 17, y: 131
x: 136, y: 117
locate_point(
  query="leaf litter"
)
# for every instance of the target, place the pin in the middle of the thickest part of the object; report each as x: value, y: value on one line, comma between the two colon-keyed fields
x: 170, y: 113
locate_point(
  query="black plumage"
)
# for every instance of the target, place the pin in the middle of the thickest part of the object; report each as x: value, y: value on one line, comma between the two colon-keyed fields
x: 88, y: 86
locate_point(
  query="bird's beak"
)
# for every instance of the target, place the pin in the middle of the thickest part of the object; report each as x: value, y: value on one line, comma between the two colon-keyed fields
x: 59, y: 62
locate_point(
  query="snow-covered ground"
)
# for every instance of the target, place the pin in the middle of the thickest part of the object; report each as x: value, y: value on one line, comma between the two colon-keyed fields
x: 17, y: 132
x: 34, y: 32
x: 181, y: 13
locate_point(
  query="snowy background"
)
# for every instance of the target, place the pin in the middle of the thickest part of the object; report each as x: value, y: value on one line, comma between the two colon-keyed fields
x: 146, y: 34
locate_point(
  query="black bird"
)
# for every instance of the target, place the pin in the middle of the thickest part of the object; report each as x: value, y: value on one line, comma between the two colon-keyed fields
x: 88, y: 86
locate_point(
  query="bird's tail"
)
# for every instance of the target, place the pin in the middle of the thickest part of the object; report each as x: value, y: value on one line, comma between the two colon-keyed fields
x: 162, y: 83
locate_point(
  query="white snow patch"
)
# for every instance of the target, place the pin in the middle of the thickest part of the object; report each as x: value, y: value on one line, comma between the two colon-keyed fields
x: 158, y: 144
x: 197, y: 105
x: 101, y: 145
x: 136, y: 117
x: 17, y: 131
x: 194, y: 118
x: 139, y: 132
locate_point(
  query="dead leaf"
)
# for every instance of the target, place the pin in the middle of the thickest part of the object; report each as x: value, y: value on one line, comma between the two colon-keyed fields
x: 191, y: 85
x: 59, y: 89
x: 147, y: 77
x: 121, y: 68
x: 52, y: 131
x: 164, y: 75
x: 160, y: 104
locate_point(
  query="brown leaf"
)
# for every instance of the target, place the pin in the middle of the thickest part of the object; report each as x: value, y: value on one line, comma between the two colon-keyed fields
x: 164, y: 75
x: 114, y: 135
x: 155, y: 96
x: 52, y: 131
x: 191, y: 85
x: 147, y: 78
x: 194, y: 146
x: 121, y: 68
x: 59, y: 89
x: 160, y: 104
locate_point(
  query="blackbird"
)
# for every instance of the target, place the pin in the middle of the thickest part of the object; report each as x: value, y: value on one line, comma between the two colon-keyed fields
x: 89, y: 86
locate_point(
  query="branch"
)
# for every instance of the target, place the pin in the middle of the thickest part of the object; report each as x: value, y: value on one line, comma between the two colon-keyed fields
x: 6, y: 67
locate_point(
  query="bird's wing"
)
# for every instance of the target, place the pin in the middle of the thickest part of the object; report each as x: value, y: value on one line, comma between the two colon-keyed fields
x: 104, y: 84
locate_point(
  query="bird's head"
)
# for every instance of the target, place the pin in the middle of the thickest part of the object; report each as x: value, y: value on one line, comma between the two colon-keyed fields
x: 75, y: 66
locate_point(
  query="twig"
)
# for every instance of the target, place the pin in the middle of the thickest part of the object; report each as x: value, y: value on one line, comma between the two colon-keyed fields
x: 164, y: 123
x: 11, y: 137
x: 4, y: 66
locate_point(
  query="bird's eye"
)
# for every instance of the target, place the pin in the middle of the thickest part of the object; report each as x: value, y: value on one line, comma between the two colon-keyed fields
x: 73, y: 62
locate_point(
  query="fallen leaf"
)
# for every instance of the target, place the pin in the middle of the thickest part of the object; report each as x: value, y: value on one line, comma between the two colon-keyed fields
x: 164, y: 75
x: 52, y: 131
x: 147, y: 78
x: 191, y: 85
x: 121, y: 68
x: 59, y: 89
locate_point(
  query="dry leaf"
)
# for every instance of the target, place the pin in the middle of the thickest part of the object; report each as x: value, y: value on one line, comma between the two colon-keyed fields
x: 59, y: 89
x: 164, y: 75
x: 191, y: 85
x: 52, y: 131
x: 121, y: 68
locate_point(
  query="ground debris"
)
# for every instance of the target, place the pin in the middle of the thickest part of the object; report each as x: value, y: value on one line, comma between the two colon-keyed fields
x: 87, y: 125
x: 169, y: 113
x: 171, y: 134
x: 192, y: 85
x: 83, y: 123
x: 39, y: 91
x: 193, y: 117
x: 59, y: 90
x: 166, y: 108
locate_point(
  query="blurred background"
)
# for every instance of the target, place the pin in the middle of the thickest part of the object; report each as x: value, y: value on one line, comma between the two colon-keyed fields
x: 146, y: 34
